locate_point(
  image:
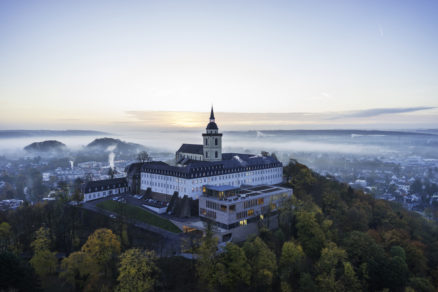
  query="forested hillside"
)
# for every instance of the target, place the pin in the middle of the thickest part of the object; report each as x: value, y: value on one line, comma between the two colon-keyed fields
x: 331, y: 238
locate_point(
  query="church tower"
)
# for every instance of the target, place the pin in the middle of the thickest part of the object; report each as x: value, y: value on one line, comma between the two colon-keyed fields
x: 212, y: 144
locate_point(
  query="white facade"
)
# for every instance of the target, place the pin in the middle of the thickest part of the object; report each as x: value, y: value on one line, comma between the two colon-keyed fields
x: 192, y: 187
x: 102, y: 194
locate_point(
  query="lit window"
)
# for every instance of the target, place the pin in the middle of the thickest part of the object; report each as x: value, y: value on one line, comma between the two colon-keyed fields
x: 251, y: 212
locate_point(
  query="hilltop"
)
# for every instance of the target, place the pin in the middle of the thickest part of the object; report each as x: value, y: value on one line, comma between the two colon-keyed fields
x: 46, y: 146
x: 116, y: 145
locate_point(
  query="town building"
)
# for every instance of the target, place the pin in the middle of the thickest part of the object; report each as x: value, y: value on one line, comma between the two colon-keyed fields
x: 205, y: 164
x: 93, y: 190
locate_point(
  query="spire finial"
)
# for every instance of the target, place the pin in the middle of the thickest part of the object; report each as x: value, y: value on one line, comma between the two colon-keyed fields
x: 212, y: 115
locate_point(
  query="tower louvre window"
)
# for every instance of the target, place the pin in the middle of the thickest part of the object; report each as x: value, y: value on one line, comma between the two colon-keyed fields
x: 215, y: 141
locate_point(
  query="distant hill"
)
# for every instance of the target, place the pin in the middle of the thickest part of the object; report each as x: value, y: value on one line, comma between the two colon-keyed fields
x: 347, y: 132
x: 46, y: 146
x: 46, y: 133
x: 116, y: 145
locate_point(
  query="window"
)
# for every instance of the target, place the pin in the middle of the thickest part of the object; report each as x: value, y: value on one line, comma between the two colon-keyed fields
x: 223, y: 208
x: 211, y: 214
x: 243, y: 222
x: 206, y: 154
x: 215, y: 154
x: 241, y: 215
x: 260, y: 201
x: 215, y: 141
x: 206, y: 141
x: 232, y: 208
x: 251, y: 212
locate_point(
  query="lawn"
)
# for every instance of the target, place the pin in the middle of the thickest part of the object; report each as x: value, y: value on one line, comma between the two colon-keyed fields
x: 138, y: 214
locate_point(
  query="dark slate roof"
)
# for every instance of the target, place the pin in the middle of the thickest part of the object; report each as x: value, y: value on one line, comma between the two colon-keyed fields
x: 191, y: 148
x: 107, y: 184
x: 212, y: 126
x: 230, y: 163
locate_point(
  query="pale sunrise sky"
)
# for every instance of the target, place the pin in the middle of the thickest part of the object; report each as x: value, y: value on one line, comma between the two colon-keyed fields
x: 263, y: 64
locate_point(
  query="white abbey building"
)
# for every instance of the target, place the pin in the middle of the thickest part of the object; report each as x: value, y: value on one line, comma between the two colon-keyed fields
x: 199, y: 165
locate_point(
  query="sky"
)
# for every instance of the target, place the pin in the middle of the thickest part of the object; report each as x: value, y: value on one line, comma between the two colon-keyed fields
x: 263, y: 64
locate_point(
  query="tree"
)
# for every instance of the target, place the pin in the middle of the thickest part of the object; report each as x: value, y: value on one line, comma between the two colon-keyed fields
x: 43, y: 261
x: 306, y: 283
x: 137, y: 271
x: 291, y: 261
x: 398, y: 251
x: 77, y: 268
x: 143, y: 156
x: 16, y: 275
x: 397, y: 273
x: 263, y: 263
x: 233, y: 269
x: 421, y: 284
x: 206, y: 262
x: 327, y: 266
x: 104, y: 247
x: 310, y: 234
x: 5, y: 236
x: 349, y: 279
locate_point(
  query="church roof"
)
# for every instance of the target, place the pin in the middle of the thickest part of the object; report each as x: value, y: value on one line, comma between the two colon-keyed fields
x: 191, y: 148
x: 107, y: 184
x: 230, y: 163
x: 212, y: 114
x: 212, y: 126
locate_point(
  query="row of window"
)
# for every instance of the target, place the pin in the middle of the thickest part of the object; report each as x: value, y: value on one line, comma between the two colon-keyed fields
x: 212, y: 205
x: 245, y: 214
x: 93, y: 196
x: 267, y: 167
x: 208, y: 213
x: 249, y: 203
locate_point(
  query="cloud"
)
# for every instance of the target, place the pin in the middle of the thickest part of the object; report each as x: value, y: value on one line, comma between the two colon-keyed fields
x: 380, y: 111
x: 384, y: 118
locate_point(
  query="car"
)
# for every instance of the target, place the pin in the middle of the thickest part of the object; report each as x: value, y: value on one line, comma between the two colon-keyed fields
x: 112, y: 216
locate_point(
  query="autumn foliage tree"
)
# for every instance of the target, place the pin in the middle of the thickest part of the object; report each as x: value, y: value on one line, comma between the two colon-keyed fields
x: 43, y: 261
x: 137, y: 271
x: 95, y: 265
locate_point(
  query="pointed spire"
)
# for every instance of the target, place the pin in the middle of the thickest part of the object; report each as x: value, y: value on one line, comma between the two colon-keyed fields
x: 212, y: 115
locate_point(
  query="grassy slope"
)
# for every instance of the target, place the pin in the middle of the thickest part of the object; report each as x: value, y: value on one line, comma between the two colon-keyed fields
x: 139, y: 214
